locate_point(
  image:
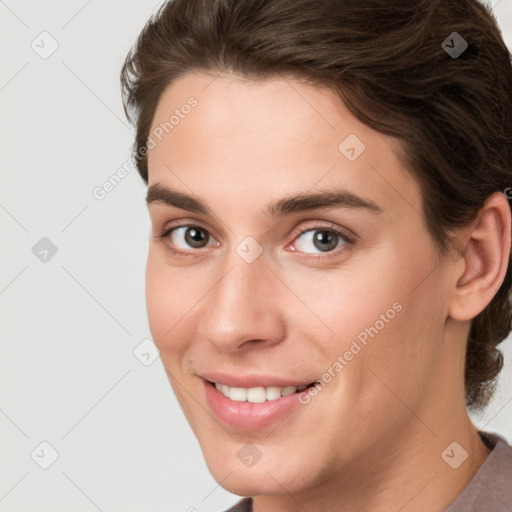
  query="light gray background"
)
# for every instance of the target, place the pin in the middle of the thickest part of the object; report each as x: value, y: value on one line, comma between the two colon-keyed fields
x: 70, y: 325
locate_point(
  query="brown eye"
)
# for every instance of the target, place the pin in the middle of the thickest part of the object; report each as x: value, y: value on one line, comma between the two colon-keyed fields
x: 196, y: 237
x: 187, y: 237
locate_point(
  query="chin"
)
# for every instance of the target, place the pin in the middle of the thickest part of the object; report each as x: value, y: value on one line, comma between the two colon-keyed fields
x: 264, y: 478
x: 244, y: 482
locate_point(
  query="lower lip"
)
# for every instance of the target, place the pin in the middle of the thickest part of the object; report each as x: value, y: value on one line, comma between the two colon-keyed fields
x: 247, y: 415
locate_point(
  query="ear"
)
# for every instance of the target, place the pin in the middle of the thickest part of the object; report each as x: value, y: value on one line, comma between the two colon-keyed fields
x: 486, y: 255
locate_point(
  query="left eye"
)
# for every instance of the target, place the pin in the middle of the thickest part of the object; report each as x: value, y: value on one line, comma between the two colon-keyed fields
x: 324, y: 240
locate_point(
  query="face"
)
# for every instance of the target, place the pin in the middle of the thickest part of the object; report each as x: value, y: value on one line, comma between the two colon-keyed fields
x: 251, y: 287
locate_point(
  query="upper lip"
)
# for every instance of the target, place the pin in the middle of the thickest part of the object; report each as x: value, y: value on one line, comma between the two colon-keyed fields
x: 253, y: 381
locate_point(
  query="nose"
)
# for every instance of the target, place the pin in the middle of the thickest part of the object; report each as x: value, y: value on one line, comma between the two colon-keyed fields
x: 243, y: 307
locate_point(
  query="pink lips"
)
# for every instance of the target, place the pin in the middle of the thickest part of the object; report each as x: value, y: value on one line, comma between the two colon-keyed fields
x: 247, y: 415
x: 253, y: 381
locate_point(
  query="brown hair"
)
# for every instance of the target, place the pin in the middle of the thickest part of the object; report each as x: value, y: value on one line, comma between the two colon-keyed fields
x: 387, y: 61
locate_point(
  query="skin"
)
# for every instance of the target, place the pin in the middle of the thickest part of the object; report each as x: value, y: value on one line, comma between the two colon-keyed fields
x: 373, y: 436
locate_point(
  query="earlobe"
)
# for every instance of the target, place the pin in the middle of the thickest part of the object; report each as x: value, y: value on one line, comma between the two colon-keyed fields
x: 485, y: 256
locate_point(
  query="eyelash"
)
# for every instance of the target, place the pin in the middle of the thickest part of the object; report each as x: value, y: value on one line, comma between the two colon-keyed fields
x: 349, y: 241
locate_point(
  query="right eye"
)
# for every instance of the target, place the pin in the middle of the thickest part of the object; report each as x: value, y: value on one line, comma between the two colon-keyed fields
x: 195, y: 236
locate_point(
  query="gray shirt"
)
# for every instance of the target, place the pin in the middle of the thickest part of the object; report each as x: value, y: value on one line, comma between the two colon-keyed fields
x: 490, y: 489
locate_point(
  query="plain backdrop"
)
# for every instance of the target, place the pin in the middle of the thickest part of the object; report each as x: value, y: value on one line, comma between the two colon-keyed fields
x: 78, y: 395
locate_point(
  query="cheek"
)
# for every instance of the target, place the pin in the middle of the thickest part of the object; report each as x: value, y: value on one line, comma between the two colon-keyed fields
x: 166, y: 300
x: 157, y: 299
x: 370, y: 314
x: 343, y: 302
x: 396, y: 320
x: 175, y: 296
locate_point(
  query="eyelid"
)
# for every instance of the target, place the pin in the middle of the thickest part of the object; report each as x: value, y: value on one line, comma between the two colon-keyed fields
x: 189, y: 223
x: 328, y: 226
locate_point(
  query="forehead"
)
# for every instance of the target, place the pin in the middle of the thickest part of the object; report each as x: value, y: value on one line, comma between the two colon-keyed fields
x: 229, y: 107
x: 268, y: 137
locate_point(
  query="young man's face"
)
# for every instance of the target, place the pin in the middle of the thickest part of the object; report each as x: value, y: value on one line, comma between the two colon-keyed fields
x: 246, y: 296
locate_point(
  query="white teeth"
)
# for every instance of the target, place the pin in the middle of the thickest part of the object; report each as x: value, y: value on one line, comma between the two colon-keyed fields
x: 257, y: 395
x: 238, y: 394
x: 273, y: 392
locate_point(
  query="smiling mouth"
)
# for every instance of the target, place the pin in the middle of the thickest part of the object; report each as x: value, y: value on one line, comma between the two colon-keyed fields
x: 258, y: 394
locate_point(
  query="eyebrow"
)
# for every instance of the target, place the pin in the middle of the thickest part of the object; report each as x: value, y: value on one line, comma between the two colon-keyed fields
x: 157, y: 193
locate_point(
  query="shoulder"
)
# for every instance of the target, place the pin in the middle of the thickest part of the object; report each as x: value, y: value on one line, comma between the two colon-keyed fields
x: 490, y: 489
